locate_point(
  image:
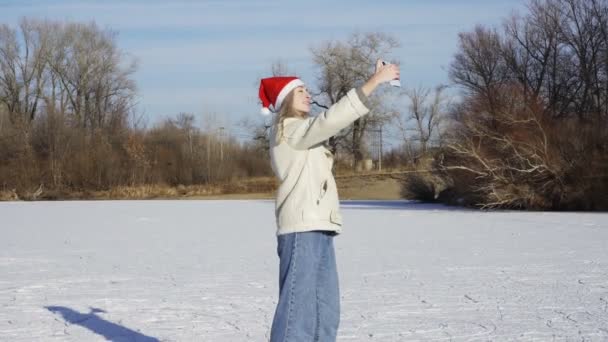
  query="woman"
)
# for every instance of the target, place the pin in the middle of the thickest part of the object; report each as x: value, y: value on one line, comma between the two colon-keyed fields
x: 307, y: 205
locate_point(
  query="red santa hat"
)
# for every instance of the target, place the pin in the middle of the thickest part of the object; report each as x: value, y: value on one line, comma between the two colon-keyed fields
x: 273, y: 91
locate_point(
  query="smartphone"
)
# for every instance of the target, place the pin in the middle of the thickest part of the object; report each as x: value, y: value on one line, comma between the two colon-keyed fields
x: 395, y: 82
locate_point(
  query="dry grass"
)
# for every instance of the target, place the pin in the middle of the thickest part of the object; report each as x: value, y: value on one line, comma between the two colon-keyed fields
x: 256, y: 185
x: 8, y: 195
x: 245, y: 186
x: 421, y: 183
x: 370, y: 185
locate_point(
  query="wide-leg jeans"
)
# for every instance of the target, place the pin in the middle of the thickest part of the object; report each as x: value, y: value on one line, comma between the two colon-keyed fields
x: 309, y: 299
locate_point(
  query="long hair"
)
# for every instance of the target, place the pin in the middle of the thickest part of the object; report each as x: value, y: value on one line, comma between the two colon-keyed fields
x: 286, y: 111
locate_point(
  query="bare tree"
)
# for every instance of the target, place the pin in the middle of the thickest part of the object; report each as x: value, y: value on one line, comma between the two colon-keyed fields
x: 514, y: 166
x: 280, y: 68
x: 56, y: 76
x: 67, y: 120
x: 478, y: 66
x: 22, y: 69
x: 343, y: 65
x: 425, y: 112
x: 530, y: 130
x: 86, y: 68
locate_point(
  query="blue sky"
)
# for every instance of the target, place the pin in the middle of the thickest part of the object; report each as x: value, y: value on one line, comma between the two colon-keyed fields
x: 208, y: 56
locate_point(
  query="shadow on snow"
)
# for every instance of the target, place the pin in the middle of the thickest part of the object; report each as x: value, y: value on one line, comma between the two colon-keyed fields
x: 111, y: 331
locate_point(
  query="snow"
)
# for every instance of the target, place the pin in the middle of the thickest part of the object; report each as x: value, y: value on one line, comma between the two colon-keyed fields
x: 208, y: 271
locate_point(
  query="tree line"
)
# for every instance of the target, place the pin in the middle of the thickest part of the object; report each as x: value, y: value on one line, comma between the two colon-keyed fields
x: 531, y: 128
x: 527, y: 128
x: 68, y: 120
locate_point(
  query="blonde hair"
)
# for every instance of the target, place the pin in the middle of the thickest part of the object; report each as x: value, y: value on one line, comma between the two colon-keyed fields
x: 286, y: 111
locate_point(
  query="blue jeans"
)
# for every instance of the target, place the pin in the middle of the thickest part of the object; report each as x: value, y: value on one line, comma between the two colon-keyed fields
x: 309, y: 298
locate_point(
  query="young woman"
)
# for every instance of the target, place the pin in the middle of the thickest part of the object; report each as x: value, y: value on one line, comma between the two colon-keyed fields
x: 307, y: 206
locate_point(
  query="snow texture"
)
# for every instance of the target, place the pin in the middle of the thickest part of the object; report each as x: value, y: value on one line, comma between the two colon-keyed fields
x: 208, y: 271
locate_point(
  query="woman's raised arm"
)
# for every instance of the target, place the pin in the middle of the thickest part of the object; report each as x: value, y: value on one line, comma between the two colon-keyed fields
x: 302, y: 134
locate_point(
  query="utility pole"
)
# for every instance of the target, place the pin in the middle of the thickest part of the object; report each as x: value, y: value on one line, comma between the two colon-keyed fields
x: 221, y: 144
x: 377, y: 142
x: 209, y: 157
x: 380, y: 158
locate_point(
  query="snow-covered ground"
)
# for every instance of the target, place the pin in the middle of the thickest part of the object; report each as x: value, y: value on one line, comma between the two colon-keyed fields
x: 207, y: 271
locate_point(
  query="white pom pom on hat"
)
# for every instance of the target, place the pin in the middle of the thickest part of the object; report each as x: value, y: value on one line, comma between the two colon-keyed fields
x: 265, y: 111
x: 273, y: 91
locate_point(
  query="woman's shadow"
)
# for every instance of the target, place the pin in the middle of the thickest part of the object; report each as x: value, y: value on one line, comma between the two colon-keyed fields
x: 111, y: 331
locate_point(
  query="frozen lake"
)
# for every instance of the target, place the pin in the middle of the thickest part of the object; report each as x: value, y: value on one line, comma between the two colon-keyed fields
x: 208, y: 271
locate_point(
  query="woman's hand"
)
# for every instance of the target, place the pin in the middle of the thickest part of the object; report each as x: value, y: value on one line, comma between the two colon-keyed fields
x: 384, y: 73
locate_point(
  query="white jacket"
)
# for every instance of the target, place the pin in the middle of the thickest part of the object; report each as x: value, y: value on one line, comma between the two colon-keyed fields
x: 307, y: 197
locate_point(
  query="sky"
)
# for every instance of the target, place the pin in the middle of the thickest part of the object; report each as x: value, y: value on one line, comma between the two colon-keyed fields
x: 207, y: 57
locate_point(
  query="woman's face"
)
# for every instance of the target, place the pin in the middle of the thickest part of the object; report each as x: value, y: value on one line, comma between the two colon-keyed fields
x: 301, y: 99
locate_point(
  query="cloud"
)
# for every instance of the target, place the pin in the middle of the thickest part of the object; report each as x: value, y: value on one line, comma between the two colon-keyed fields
x: 289, y: 16
x: 230, y: 103
x: 209, y: 53
x: 218, y: 54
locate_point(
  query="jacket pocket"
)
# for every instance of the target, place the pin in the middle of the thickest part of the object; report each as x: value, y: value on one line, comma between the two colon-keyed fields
x: 322, y: 190
x: 335, y: 217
